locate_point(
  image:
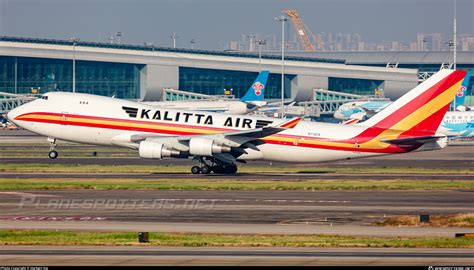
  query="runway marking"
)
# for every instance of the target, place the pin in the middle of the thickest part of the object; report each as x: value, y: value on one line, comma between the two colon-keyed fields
x: 27, y: 194
x: 203, y: 200
x: 303, y: 201
x: 46, y: 218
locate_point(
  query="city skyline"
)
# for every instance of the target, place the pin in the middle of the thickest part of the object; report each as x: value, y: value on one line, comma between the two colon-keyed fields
x: 350, y: 42
x: 204, y: 24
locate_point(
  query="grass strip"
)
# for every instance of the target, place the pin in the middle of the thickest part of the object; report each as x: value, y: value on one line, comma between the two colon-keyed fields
x: 80, y: 168
x: 454, y: 220
x: 60, y: 238
x: 220, y: 184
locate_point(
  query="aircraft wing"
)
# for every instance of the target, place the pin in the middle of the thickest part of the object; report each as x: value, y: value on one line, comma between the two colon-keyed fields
x: 414, y: 140
x: 237, y: 141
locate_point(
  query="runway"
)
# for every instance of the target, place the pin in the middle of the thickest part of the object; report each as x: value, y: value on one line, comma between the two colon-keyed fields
x: 358, y: 207
x: 230, y: 228
x: 423, y: 160
x: 232, y: 256
x: 290, y: 212
x: 456, y: 155
x: 298, y: 176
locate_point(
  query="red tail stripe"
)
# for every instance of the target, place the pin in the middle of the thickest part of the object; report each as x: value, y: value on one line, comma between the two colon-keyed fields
x: 410, y: 107
x: 428, y: 126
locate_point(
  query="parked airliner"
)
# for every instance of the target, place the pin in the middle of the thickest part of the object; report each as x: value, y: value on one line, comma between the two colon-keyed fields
x: 251, y: 101
x: 219, y: 140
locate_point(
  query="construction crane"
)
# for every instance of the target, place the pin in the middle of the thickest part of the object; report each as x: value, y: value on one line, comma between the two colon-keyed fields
x: 301, y: 30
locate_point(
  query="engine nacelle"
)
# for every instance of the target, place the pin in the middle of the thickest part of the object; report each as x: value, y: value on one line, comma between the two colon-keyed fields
x: 156, y: 150
x: 201, y: 146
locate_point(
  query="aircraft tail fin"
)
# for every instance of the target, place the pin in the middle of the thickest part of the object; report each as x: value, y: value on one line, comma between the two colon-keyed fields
x: 461, y: 93
x: 420, y: 111
x: 257, y: 90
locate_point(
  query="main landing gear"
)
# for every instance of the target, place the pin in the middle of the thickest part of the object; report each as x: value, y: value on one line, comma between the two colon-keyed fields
x: 53, y: 154
x: 216, y: 167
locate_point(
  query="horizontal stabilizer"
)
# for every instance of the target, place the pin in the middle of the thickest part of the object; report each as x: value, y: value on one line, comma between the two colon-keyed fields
x: 413, y: 140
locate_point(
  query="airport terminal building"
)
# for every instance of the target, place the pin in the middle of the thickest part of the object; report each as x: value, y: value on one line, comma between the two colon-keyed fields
x: 143, y: 71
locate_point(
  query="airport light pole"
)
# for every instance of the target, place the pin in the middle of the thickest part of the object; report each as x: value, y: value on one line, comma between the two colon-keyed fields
x: 192, y: 43
x: 174, y: 37
x: 260, y: 43
x: 16, y: 75
x: 454, y: 36
x: 282, y: 19
x: 450, y: 45
x: 74, y: 41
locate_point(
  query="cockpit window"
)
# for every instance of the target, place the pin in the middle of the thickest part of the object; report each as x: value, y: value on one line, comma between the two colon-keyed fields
x: 44, y: 97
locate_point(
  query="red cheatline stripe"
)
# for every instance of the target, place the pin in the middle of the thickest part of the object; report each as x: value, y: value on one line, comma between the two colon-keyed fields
x: 390, y: 149
x: 117, y: 127
x: 161, y: 124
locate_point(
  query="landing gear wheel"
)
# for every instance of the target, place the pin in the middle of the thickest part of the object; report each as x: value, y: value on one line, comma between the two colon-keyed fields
x: 195, y: 170
x: 53, y: 154
x: 205, y: 169
x: 217, y: 169
x: 231, y: 169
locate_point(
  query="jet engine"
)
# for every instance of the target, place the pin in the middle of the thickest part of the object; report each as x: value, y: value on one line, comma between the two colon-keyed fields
x: 201, y: 146
x: 156, y: 150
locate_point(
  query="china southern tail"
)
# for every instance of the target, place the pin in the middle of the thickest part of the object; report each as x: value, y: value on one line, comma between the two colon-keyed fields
x: 256, y: 92
x: 458, y: 102
x: 251, y: 101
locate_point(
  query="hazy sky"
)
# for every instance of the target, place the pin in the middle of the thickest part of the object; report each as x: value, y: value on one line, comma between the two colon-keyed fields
x: 211, y: 21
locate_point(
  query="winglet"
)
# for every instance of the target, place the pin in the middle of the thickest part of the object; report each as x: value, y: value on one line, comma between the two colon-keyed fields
x: 290, y: 123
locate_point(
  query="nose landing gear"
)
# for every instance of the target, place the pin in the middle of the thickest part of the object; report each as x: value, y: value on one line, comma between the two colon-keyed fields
x: 53, y: 154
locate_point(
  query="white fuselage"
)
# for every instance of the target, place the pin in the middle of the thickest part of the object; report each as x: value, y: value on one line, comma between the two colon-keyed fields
x: 101, y: 120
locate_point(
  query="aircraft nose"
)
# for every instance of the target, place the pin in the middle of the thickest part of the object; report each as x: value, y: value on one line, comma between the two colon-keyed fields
x: 12, y: 114
x: 338, y: 115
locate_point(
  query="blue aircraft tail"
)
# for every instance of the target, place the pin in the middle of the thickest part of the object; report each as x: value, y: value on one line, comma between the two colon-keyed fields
x: 257, y: 90
x: 461, y: 94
